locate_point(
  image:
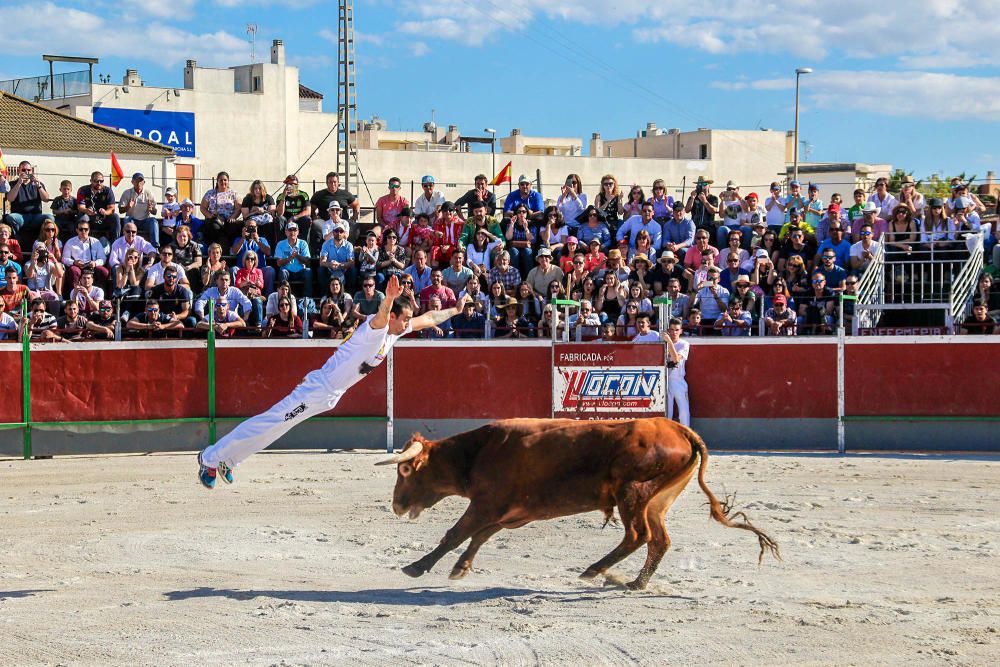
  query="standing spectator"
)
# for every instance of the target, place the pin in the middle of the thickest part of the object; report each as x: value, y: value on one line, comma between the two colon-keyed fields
x: 220, y: 208
x: 524, y: 196
x: 519, y: 240
x: 389, y: 206
x: 794, y: 200
x: 775, y: 207
x: 72, y: 324
x: 259, y: 209
x: 96, y: 205
x: 293, y: 207
x: 710, y: 297
x: 703, y: 205
x: 730, y: 208
x: 437, y: 288
x: 572, y: 201
x: 152, y: 320
x: 457, y: 274
x: 130, y: 240
x: 42, y: 274
x: 64, y: 210
x: 103, y: 323
x: 154, y: 274
x: 779, y: 320
x: 174, y: 299
x: 320, y: 204
x: 128, y: 288
x: 25, y: 198
x: 85, y: 293
x: 428, y: 202
x: 480, y: 192
x: 813, y: 212
x: 138, y: 205
x: 336, y: 259
x: 368, y: 300
x: 227, y: 322
x: 470, y: 323
x: 677, y: 355
x: 83, y: 252
x: 883, y: 199
x: 169, y: 212
x: 284, y: 324
x: 609, y: 202
x: 292, y: 257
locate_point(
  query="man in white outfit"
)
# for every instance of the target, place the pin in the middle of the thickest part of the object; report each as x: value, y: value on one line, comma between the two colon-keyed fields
x: 677, y: 388
x: 321, y: 389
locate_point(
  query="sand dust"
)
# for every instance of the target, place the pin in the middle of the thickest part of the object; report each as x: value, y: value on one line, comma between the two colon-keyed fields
x: 126, y: 560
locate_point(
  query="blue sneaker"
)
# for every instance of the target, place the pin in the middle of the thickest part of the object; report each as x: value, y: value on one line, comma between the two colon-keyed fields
x: 207, y: 475
x: 225, y: 472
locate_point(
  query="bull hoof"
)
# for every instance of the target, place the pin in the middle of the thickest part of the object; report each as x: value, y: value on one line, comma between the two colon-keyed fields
x: 458, y: 572
x: 636, y: 585
x: 413, y: 570
x: 589, y: 574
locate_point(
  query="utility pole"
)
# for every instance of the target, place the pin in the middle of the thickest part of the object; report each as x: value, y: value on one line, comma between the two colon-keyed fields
x: 347, y: 101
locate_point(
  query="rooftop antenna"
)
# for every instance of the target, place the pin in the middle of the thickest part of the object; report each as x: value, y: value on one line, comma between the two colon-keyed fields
x: 252, y: 36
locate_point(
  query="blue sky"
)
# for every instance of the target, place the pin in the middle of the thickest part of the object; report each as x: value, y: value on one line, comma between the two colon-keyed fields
x: 912, y: 84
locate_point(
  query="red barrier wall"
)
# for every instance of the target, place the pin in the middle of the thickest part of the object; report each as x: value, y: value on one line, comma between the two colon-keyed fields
x: 250, y: 380
x: 925, y: 380
x: 105, y: 383
x: 472, y: 382
x: 745, y: 381
x: 11, y: 409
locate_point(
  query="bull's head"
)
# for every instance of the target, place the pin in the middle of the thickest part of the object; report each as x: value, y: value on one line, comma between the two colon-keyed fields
x: 417, y: 484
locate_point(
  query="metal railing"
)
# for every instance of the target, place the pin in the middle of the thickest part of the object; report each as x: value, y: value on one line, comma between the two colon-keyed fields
x: 37, y: 88
x: 964, y: 285
x: 871, y: 293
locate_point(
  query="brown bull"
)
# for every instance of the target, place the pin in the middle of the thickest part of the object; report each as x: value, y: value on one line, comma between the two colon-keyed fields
x: 521, y: 470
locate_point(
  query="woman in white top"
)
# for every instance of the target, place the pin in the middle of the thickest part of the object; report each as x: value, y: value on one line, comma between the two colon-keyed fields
x: 479, y: 253
x: 555, y: 232
x: 571, y: 200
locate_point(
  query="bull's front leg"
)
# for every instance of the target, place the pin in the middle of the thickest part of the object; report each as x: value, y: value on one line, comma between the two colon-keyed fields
x: 464, y: 528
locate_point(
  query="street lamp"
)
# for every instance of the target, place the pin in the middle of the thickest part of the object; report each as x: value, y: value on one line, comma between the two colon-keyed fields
x: 493, y: 149
x: 798, y: 72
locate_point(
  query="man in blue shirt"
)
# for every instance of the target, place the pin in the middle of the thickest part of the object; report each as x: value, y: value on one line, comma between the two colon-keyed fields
x: 836, y: 242
x: 835, y: 275
x: 678, y: 232
x: 524, y: 195
x: 336, y: 260
x: 644, y: 220
x: 292, y: 257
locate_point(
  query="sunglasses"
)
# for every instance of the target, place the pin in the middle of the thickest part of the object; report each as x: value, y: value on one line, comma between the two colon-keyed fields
x: 829, y: 257
x: 866, y: 233
x: 369, y: 285
x: 818, y: 282
x: 130, y: 232
x: 97, y: 182
x: 394, y: 186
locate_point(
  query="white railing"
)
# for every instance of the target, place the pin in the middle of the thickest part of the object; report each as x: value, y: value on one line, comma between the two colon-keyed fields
x: 964, y: 285
x: 871, y: 293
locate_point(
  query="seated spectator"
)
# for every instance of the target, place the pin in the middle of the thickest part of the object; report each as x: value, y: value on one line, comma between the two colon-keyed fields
x: 816, y: 308
x: 391, y: 257
x: 678, y: 232
x: 586, y: 323
x: 480, y: 253
x: 470, y: 323
x: 519, y: 241
x: 796, y: 221
x: 25, y: 198
x: 437, y: 288
x: 43, y: 275
x: 865, y: 250
x: 628, y: 321
x: 694, y: 325
x: 97, y: 205
x: 711, y: 298
x: 569, y: 253
x: 504, y: 272
x: 409, y: 296
x: 498, y: 298
x: 474, y: 290
x: 796, y: 277
x: 367, y: 257
x: 553, y: 233
x: 667, y: 268
x: 86, y: 294
x: 731, y: 272
x: 368, y: 299
x: 227, y: 323
x: 442, y: 330
x: 249, y: 241
x: 796, y: 246
x: 422, y: 233
x: 250, y: 281
x: 419, y: 271
x: 333, y: 320
x: 404, y: 227
x: 128, y: 289
x: 388, y: 206
x: 981, y: 323
x: 64, y: 210
x: 447, y: 232
x: 222, y: 291
x: 72, y: 325
x: 542, y: 275
x: 13, y: 292
x: 284, y: 324
x: 8, y: 325
x: 42, y: 324
x: 12, y: 244
x: 283, y: 291
x: 836, y: 242
x: 103, y: 323
x: 693, y: 256
x: 336, y: 220
x: 509, y: 324
x: 169, y: 211
x: 732, y: 248
x: 258, y: 209
x: 870, y: 216
x: 835, y: 275
x: 525, y: 196
x: 593, y: 227
x: 987, y: 293
x: 128, y: 240
x: 84, y: 252
x: 221, y: 212
x: 572, y: 201
x: 336, y: 259
x: 186, y: 217
x: 577, y: 272
x: 292, y: 257
x: 607, y: 333
x: 48, y: 238
x: 457, y: 275
x: 742, y: 292
x: 611, y: 296
x: 174, y: 299
x: 638, y: 294
x: 643, y: 222
x: 734, y: 321
x: 644, y: 330
x: 480, y: 219
x: 779, y: 320
x: 679, y: 301
x: 138, y: 205
x: 154, y: 274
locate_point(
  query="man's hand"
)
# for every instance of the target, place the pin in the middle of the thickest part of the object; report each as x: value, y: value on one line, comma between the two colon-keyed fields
x: 393, y: 288
x: 460, y: 304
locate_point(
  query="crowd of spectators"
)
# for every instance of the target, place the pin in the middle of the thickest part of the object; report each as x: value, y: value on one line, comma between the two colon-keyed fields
x: 90, y: 264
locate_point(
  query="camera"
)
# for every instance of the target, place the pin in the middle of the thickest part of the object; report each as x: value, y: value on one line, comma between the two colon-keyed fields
x: 671, y: 364
x: 699, y: 189
x: 43, y: 255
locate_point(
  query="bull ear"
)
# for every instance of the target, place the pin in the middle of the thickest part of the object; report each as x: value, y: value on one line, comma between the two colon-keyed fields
x: 405, y: 469
x: 419, y: 463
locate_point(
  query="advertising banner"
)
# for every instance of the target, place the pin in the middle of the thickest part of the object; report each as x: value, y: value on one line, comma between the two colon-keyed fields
x: 174, y: 129
x: 601, y: 381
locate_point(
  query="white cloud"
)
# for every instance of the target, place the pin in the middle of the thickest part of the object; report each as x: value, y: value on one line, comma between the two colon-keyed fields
x: 419, y: 49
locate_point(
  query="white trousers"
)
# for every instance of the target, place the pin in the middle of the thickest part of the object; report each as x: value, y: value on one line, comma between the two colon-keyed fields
x: 677, y: 392
x: 310, y: 398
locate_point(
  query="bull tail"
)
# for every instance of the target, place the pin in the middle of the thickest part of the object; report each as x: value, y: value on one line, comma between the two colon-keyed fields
x: 723, y: 513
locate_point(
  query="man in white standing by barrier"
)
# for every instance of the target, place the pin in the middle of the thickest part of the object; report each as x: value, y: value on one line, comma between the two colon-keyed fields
x: 321, y: 389
x: 677, y: 388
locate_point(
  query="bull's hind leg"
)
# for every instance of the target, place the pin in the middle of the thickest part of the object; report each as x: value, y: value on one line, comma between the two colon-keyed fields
x: 631, y: 510
x: 464, y: 563
x: 656, y: 512
x: 467, y: 526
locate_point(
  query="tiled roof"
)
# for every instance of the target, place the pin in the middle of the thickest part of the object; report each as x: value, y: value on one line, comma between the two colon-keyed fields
x: 28, y: 126
x: 309, y: 93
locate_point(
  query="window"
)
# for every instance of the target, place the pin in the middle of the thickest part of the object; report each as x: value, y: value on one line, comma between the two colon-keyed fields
x: 703, y: 152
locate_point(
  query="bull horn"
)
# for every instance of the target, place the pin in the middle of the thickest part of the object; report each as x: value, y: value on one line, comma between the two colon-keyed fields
x: 411, y: 452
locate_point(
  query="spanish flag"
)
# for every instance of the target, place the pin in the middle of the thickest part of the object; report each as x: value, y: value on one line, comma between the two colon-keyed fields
x: 503, y: 176
x: 3, y: 165
x: 116, y: 170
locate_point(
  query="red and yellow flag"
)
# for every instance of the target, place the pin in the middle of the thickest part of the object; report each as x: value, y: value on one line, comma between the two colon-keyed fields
x: 116, y: 170
x: 503, y: 176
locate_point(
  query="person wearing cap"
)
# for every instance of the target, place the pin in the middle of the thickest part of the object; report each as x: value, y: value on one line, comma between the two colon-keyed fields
x: 703, y: 205
x: 796, y: 221
x: 292, y: 257
x: 175, y: 299
x: 336, y: 258
x: 102, y: 324
x: 429, y: 201
x: 678, y: 231
x: 293, y: 206
x: 220, y: 208
x: 823, y: 226
x: 667, y: 267
x: 960, y: 189
x: 964, y: 218
x: 883, y: 199
x: 540, y: 277
x: 388, y: 206
x: 479, y: 193
x: 814, y: 208
x: 97, y: 204
x: 25, y: 198
x: 592, y: 226
x: 937, y: 230
x: 730, y: 208
x: 448, y: 229
x: 779, y: 320
x: 138, y: 205
x: 594, y: 257
x: 524, y: 196
x: 751, y: 216
x: 170, y: 206
x: 185, y: 216
x: 636, y: 223
x: 480, y: 219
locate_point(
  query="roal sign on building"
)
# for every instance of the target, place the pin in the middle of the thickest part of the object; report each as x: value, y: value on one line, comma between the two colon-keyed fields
x: 174, y: 129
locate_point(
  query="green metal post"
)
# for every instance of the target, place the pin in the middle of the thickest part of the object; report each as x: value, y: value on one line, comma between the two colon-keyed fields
x: 211, y: 372
x: 26, y: 378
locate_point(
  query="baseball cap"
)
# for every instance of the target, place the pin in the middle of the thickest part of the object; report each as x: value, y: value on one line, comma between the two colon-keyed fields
x: 137, y: 176
x: 833, y: 208
x: 781, y: 298
x: 935, y: 202
x: 761, y: 253
x: 523, y: 179
x: 813, y: 186
x: 730, y: 184
x: 105, y: 304
x: 795, y: 183
x: 170, y: 191
x: 544, y: 252
x: 334, y: 204
x: 292, y: 225
x: 752, y: 195
x: 426, y: 179
x: 187, y: 202
x: 573, y: 239
x: 961, y: 203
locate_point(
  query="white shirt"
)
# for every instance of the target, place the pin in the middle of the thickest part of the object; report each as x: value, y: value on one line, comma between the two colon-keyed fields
x: 89, y: 251
x: 857, y: 248
x: 121, y: 246
x: 365, y: 346
x: 473, y: 256
x: 775, y: 216
x: 649, y: 337
x: 156, y: 272
x: 428, y: 206
x: 683, y: 348
x: 885, y: 205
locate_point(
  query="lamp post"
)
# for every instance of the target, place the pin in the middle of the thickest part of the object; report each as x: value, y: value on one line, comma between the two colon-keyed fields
x: 798, y: 73
x: 493, y: 150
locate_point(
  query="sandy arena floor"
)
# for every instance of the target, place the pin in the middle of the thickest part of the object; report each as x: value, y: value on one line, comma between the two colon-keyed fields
x: 126, y: 560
